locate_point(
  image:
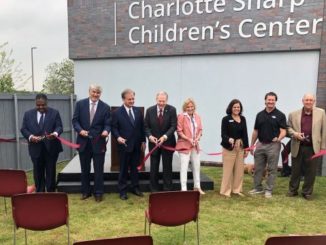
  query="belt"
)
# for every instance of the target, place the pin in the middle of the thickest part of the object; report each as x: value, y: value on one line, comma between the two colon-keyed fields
x: 266, y: 142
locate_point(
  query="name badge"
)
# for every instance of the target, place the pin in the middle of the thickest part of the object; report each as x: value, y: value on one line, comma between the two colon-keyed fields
x: 274, y: 117
x: 231, y: 120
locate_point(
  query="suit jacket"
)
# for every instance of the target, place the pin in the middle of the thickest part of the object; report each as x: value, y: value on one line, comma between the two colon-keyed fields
x: 168, y: 128
x: 52, y: 123
x: 101, y: 122
x: 184, y: 131
x: 122, y: 126
x: 227, y: 130
x: 318, y: 130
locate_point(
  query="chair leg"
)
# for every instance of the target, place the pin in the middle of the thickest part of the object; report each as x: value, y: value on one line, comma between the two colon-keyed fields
x: 14, y: 234
x: 68, y: 231
x: 145, y: 226
x: 184, y: 233
x: 25, y: 237
x: 149, y: 228
x: 5, y: 204
x: 197, y: 231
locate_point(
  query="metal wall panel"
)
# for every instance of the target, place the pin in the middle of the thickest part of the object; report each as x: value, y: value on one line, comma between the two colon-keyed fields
x: 15, y: 155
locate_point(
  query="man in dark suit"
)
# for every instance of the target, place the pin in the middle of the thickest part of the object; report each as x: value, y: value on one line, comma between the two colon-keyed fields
x: 91, y: 120
x: 160, y: 125
x: 128, y: 128
x: 40, y: 127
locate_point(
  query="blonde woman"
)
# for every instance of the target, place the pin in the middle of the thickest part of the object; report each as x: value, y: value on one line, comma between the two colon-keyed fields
x: 234, y: 141
x: 189, y: 131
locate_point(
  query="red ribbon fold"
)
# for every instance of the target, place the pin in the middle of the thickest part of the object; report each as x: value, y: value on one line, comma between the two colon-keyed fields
x: 319, y: 154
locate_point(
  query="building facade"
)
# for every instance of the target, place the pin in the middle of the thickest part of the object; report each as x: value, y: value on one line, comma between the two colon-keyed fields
x: 210, y: 50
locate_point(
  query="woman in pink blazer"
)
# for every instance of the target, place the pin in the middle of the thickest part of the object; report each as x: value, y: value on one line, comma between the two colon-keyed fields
x: 189, y: 131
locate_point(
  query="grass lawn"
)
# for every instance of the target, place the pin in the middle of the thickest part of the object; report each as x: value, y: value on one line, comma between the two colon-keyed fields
x: 237, y: 220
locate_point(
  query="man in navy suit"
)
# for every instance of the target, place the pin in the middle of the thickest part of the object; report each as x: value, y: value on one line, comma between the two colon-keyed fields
x: 128, y: 129
x: 160, y: 125
x: 41, y: 126
x: 91, y: 120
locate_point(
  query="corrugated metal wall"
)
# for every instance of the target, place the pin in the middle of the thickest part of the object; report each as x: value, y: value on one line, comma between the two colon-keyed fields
x: 12, y: 109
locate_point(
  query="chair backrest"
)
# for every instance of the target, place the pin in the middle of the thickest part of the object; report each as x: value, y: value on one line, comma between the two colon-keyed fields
x: 137, y: 240
x: 12, y: 182
x: 173, y: 208
x: 40, y: 211
x: 296, y: 240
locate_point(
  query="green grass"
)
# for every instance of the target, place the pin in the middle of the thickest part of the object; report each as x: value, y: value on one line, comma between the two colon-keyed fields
x: 247, y: 220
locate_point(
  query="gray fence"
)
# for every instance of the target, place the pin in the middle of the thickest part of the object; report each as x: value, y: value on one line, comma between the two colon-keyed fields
x: 12, y: 109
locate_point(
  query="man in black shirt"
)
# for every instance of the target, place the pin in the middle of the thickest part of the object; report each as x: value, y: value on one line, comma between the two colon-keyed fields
x: 270, y: 129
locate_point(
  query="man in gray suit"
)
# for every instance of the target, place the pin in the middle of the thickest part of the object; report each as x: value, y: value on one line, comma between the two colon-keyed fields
x: 307, y: 127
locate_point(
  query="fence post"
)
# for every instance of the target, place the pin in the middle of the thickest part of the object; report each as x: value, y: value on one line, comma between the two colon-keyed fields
x: 72, y: 129
x: 17, y: 133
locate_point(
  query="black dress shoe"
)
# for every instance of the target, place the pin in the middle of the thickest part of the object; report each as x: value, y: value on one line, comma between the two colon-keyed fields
x: 123, y: 197
x: 137, y: 192
x: 291, y: 194
x: 99, y: 198
x: 307, y: 197
x: 85, y: 196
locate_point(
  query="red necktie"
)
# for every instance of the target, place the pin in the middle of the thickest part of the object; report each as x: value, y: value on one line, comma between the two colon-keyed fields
x: 160, y: 118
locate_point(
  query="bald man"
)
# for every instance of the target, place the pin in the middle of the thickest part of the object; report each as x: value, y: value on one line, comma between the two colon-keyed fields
x: 307, y: 128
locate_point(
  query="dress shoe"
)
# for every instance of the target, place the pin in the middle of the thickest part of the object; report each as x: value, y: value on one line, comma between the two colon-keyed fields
x: 123, y: 197
x: 307, y: 197
x: 291, y: 194
x: 85, y: 196
x: 137, y: 192
x: 98, y: 198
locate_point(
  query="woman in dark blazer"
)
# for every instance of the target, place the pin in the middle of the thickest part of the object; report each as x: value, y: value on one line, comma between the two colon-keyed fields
x: 234, y: 141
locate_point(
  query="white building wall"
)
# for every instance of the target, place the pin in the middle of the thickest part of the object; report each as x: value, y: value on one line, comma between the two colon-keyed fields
x: 212, y: 80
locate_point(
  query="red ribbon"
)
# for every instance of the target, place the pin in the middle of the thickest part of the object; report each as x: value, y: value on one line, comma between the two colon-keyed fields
x: 220, y: 153
x: 319, y: 154
x: 68, y: 143
x: 76, y: 146
x: 212, y: 153
x: 169, y: 148
x: 62, y: 140
x: 251, y: 148
x: 3, y: 140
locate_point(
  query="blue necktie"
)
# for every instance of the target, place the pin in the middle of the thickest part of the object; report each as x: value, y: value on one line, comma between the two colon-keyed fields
x: 41, y: 122
x: 131, y: 117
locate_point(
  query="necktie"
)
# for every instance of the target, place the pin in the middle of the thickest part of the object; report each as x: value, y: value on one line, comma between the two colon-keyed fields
x: 41, y: 122
x: 131, y: 117
x: 160, y: 118
x: 92, y: 112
